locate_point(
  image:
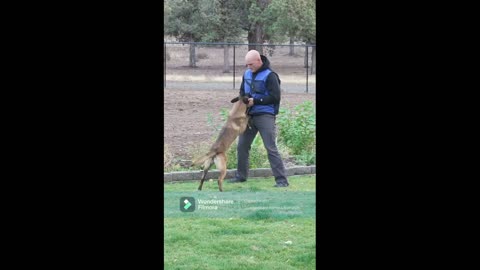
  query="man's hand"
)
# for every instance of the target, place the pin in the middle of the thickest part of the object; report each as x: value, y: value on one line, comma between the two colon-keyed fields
x: 250, y: 102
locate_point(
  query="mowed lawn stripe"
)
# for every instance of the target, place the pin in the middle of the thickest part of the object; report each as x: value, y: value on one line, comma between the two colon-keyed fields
x: 244, y: 237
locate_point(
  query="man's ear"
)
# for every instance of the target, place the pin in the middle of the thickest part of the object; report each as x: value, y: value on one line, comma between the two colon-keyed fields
x: 234, y: 100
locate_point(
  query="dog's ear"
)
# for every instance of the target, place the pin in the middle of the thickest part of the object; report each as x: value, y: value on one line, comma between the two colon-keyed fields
x: 234, y: 100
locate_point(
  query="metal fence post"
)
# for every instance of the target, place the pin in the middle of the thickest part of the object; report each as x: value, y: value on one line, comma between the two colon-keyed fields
x: 233, y: 66
x: 164, y: 64
x: 306, y: 68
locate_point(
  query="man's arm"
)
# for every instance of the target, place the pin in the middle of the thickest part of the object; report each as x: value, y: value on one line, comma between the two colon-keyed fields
x: 273, y: 87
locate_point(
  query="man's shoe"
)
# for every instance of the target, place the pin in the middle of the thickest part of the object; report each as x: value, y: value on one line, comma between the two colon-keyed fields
x: 236, y: 180
x: 281, y: 185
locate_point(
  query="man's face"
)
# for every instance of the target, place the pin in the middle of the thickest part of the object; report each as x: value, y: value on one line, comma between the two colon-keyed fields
x: 253, y: 64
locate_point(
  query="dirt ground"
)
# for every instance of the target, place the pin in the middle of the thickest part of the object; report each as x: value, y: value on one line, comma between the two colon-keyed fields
x: 186, y: 116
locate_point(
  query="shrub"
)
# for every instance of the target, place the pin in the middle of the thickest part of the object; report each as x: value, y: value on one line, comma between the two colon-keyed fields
x: 196, y: 151
x: 169, y: 162
x: 167, y: 157
x: 306, y: 158
x: 297, y: 131
x: 217, y: 125
x: 258, y: 154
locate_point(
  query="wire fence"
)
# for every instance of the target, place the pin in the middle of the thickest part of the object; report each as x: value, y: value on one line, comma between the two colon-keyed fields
x: 220, y: 66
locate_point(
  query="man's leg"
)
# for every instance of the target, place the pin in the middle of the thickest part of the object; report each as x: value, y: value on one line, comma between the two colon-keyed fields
x: 267, y: 128
x: 243, y: 151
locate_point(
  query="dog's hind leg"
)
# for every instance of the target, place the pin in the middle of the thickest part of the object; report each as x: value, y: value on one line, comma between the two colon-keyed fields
x: 221, y: 162
x: 206, y: 166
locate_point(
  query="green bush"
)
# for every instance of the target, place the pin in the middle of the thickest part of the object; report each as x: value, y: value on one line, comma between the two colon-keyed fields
x: 258, y: 154
x: 170, y: 163
x: 296, y: 138
x: 306, y: 158
x: 232, y: 156
x: 217, y: 125
x: 297, y: 131
x: 258, y: 157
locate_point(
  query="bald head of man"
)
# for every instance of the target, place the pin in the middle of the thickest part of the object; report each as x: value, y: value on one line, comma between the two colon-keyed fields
x: 253, y: 60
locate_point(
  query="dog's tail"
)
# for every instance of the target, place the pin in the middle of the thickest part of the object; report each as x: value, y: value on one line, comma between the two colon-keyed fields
x: 202, y: 159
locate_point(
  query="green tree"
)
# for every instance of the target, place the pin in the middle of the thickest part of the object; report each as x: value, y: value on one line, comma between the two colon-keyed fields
x: 271, y: 21
x: 186, y: 22
x: 257, y: 18
x: 224, y: 25
x: 275, y: 21
x: 166, y: 14
x: 308, y: 33
x: 295, y: 20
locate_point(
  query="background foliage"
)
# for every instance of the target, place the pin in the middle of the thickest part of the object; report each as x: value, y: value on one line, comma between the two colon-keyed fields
x: 297, y: 131
x: 254, y: 21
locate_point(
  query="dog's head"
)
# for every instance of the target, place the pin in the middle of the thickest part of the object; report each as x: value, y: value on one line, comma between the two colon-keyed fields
x: 242, y: 98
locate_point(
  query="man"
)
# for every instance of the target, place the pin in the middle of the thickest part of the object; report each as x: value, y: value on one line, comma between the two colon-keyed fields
x: 263, y: 86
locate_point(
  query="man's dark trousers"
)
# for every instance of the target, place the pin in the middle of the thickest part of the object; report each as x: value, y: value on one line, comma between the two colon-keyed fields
x: 265, y: 125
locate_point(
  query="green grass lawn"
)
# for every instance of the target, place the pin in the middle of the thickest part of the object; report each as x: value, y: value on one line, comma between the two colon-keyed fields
x: 250, y: 225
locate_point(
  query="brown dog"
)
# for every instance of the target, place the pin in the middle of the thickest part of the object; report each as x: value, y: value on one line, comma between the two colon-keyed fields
x: 236, y: 124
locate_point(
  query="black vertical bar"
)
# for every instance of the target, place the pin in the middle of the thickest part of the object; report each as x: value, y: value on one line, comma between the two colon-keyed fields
x: 313, y: 56
x: 306, y: 68
x: 233, y: 66
x: 164, y: 64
